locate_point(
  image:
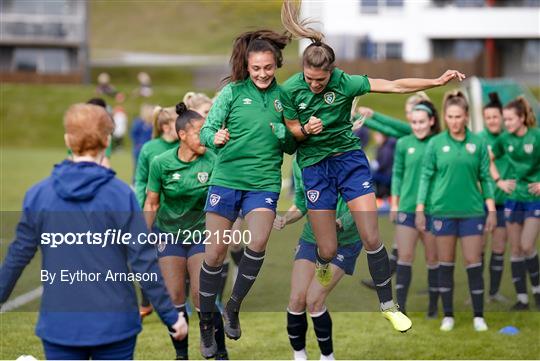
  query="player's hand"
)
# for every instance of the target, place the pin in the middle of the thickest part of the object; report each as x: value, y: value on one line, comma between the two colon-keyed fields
x: 393, y: 214
x: 420, y: 221
x: 365, y: 112
x: 507, y: 185
x: 448, y: 76
x: 314, y: 125
x: 279, y: 222
x: 534, y: 188
x: 491, y: 221
x: 339, y: 225
x: 222, y: 137
x: 179, y: 330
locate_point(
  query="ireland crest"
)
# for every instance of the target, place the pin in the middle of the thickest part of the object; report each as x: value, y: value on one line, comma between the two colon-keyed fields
x: 471, y: 148
x: 528, y: 148
x: 202, y: 177
x: 329, y: 97
x: 278, y: 106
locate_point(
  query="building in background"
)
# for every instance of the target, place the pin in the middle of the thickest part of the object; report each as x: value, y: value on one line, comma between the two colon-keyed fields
x: 43, y: 41
x: 501, y: 38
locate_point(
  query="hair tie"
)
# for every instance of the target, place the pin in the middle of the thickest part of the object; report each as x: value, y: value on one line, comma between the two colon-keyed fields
x: 317, y: 43
x: 424, y: 108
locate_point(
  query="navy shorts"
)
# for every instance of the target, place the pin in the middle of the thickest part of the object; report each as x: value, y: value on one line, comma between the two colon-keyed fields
x: 408, y: 219
x: 229, y: 202
x: 459, y: 227
x: 345, y: 258
x: 120, y: 350
x: 347, y: 174
x: 501, y: 219
x: 516, y: 211
x: 183, y: 248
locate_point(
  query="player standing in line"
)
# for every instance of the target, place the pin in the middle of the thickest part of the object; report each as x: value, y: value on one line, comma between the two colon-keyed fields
x: 521, y: 144
x: 409, y: 153
x: 317, y: 104
x: 455, y: 162
x: 306, y: 291
x: 493, y: 129
x: 247, y: 174
x: 177, y: 191
x: 87, y: 319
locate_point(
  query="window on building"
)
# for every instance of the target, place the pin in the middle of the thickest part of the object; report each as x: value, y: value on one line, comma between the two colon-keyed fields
x: 368, y: 49
x: 49, y: 7
x: 459, y: 3
x: 393, y: 51
x: 48, y: 61
x: 373, y: 6
x: 531, y: 54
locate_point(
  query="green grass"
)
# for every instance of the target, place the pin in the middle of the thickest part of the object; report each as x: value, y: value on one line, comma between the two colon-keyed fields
x: 359, y: 331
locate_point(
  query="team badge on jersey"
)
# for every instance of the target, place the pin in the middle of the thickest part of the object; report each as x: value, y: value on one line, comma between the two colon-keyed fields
x: 437, y: 224
x: 202, y: 177
x: 446, y: 148
x: 411, y: 150
x: 312, y: 195
x: 278, y: 106
x: 302, y: 106
x: 247, y: 101
x: 402, y: 217
x: 471, y: 148
x: 329, y: 97
x: 214, y: 199
x: 528, y: 148
x: 176, y: 176
x: 510, y: 148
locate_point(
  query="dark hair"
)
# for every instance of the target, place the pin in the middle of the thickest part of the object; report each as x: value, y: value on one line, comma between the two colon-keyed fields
x: 255, y: 42
x: 523, y: 109
x: 455, y: 97
x: 436, y: 127
x: 98, y: 101
x: 318, y: 54
x: 494, y: 102
x: 185, y: 116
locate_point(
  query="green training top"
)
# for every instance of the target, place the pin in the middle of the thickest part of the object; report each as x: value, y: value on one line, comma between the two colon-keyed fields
x: 348, y: 235
x: 251, y: 159
x: 384, y: 124
x: 149, y: 151
x: 183, y: 188
x: 502, y: 163
x: 524, y: 158
x: 332, y: 106
x: 451, y: 172
x: 407, y: 170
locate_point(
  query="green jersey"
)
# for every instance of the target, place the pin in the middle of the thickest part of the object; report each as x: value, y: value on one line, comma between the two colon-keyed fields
x: 251, y: 159
x: 384, y: 124
x: 332, y: 106
x: 149, y: 151
x: 407, y: 170
x: 183, y: 188
x: 502, y: 163
x: 347, y: 235
x: 451, y: 171
x: 524, y: 158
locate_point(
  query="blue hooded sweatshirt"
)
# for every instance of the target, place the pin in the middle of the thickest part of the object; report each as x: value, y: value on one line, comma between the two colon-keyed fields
x: 77, y: 198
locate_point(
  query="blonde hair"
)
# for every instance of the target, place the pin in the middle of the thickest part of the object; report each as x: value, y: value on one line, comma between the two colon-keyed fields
x: 318, y: 54
x: 523, y: 109
x: 162, y: 116
x: 417, y: 98
x: 455, y: 97
x: 147, y: 113
x: 195, y: 100
x: 88, y: 128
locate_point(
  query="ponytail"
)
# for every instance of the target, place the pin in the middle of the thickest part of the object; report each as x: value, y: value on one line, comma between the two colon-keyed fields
x: 455, y: 97
x: 494, y: 102
x: 523, y: 109
x: 185, y: 116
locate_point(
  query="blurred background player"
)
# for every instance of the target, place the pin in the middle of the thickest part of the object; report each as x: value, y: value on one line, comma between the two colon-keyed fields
x: 141, y: 131
x: 177, y: 191
x: 493, y: 129
x: 521, y: 144
x: 306, y: 292
x: 455, y: 162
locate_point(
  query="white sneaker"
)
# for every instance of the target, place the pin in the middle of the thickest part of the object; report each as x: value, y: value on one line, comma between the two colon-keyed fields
x: 447, y: 324
x: 480, y: 324
x: 498, y: 298
x: 300, y: 355
x: 328, y: 357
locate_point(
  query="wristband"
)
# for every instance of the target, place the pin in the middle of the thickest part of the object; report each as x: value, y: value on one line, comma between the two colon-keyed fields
x: 497, y: 180
x: 304, y: 131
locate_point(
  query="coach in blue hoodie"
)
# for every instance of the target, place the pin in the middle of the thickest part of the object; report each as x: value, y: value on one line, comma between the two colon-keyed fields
x: 89, y: 306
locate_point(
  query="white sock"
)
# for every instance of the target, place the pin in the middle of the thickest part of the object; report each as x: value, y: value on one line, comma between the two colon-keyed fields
x: 523, y: 298
x: 300, y: 355
x: 536, y: 289
x: 328, y: 357
x: 387, y: 305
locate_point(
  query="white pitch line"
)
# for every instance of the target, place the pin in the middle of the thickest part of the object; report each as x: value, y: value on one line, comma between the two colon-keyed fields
x: 22, y: 300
